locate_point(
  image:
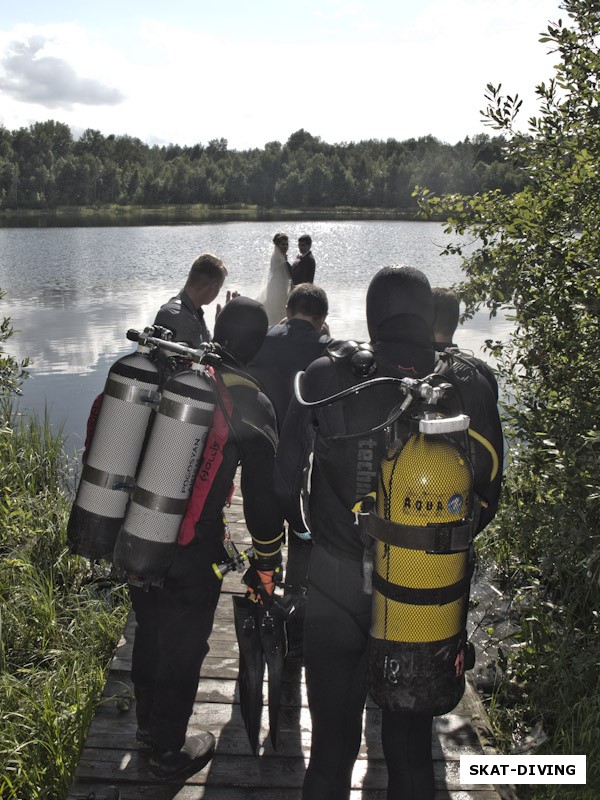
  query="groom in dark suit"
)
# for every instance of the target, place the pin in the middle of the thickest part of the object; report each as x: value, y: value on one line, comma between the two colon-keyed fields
x: 303, y: 268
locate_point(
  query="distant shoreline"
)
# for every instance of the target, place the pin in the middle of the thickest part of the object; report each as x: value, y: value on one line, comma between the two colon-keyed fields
x: 114, y: 215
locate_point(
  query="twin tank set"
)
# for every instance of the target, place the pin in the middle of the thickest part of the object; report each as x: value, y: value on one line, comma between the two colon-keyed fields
x: 142, y: 461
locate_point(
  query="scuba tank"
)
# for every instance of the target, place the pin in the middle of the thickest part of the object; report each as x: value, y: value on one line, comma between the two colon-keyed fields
x: 148, y: 536
x: 107, y: 477
x: 422, y: 562
x: 417, y: 528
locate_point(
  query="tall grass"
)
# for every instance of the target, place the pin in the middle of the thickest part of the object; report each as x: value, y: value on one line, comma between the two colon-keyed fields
x: 58, y: 628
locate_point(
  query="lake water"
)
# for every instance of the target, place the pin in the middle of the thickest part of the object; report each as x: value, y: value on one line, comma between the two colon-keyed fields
x: 72, y: 293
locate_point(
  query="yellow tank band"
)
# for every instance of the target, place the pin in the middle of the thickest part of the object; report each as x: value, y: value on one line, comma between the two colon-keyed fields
x: 417, y: 569
x: 489, y: 447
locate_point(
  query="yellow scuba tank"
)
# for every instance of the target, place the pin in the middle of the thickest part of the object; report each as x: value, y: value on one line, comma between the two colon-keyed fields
x: 422, y: 568
x: 418, y: 536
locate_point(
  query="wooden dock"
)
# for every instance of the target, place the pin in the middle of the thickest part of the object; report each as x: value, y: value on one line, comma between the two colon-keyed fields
x: 112, y: 767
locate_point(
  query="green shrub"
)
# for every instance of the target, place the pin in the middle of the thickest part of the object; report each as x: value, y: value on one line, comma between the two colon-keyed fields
x: 59, y: 623
x: 535, y: 256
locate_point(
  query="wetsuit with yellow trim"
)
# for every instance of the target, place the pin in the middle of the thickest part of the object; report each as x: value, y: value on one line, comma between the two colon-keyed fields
x: 339, y: 612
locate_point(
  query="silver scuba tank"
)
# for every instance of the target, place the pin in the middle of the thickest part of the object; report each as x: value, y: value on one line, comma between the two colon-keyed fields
x: 166, y: 476
x: 107, y: 477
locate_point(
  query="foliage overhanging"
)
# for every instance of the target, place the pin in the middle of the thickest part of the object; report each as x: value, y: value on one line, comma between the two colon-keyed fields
x: 536, y: 258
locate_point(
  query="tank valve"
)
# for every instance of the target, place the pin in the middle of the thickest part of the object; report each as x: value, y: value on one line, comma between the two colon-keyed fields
x: 238, y: 561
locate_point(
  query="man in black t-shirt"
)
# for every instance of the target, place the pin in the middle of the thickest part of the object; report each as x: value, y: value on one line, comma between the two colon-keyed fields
x: 290, y: 347
x: 183, y: 314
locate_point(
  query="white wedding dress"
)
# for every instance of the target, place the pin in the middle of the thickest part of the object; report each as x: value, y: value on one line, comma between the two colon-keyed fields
x: 276, y: 288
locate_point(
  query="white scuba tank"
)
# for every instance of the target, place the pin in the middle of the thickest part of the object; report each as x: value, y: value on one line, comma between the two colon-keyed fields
x: 166, y: 476
x: 130, y: 394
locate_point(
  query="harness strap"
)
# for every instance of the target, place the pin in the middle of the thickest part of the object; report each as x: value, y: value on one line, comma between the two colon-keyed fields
x: 443, y: 538
x: 439, y: 596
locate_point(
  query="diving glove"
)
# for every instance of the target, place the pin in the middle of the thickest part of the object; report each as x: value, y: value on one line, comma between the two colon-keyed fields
x: 261, y: 583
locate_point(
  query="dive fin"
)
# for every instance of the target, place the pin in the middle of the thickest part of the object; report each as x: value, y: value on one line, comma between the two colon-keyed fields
x: 273, y: 638
x: 252, y: 665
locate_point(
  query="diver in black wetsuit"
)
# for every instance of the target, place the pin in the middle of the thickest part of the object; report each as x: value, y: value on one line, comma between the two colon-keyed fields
x: 288, y: 349
x: 446, y: 314
x: 175, y: 621
x: 338, y: 617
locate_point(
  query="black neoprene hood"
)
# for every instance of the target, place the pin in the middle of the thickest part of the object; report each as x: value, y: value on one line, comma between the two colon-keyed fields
x: 241, y: 327
x: 398, y: 291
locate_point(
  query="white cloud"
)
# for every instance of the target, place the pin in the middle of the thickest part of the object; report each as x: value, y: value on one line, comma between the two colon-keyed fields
x: 30, y: 76
x: 423, y: 72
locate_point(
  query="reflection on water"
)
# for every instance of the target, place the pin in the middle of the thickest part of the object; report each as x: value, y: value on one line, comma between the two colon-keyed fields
x: 73, y: 292
x: 74, y: 339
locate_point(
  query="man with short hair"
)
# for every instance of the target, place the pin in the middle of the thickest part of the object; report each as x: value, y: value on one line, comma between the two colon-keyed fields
x: 291, y: 346
x: 184, y: 317
x: 446, y: 313
x: 303, y: 268
x: 183, y: 314
x: 288, y: 349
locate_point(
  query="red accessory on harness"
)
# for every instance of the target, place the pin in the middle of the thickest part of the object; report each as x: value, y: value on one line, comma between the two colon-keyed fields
x: 212, y: 457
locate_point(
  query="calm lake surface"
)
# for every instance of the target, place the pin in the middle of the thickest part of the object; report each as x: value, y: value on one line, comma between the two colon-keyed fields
x: 72, y: 293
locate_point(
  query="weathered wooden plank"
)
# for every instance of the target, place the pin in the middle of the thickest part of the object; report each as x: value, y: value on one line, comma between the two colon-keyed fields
x: 113, y: 767
x: 293, y: 740
x: 218, y: 691
x: 270, y: 770
x: 219, y: 685
x: 156, y: 791
x: 217, y: 705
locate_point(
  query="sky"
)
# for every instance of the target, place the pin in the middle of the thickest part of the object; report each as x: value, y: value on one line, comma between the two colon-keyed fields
x: 189, y: 71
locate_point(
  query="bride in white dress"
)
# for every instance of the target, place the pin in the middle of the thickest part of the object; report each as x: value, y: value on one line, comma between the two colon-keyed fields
x: 277, y: 285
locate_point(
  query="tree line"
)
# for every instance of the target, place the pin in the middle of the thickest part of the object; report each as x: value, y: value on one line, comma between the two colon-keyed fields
x: 44, y: 166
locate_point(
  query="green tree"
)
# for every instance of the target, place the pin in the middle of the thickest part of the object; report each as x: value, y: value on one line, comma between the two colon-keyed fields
x: 42, y: 166
x: 303, y: 140
x: 217, y: 148
x: 93, y: 142
x: 289, y: 191
x: 12, y: 371
x: 9, y: 183
x: 536, y: 255
x: 317, y: 181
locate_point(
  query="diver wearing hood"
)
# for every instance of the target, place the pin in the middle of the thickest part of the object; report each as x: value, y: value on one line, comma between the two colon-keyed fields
x: 347, y: 441
x: 446, y: 317
x: 175, y: 621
